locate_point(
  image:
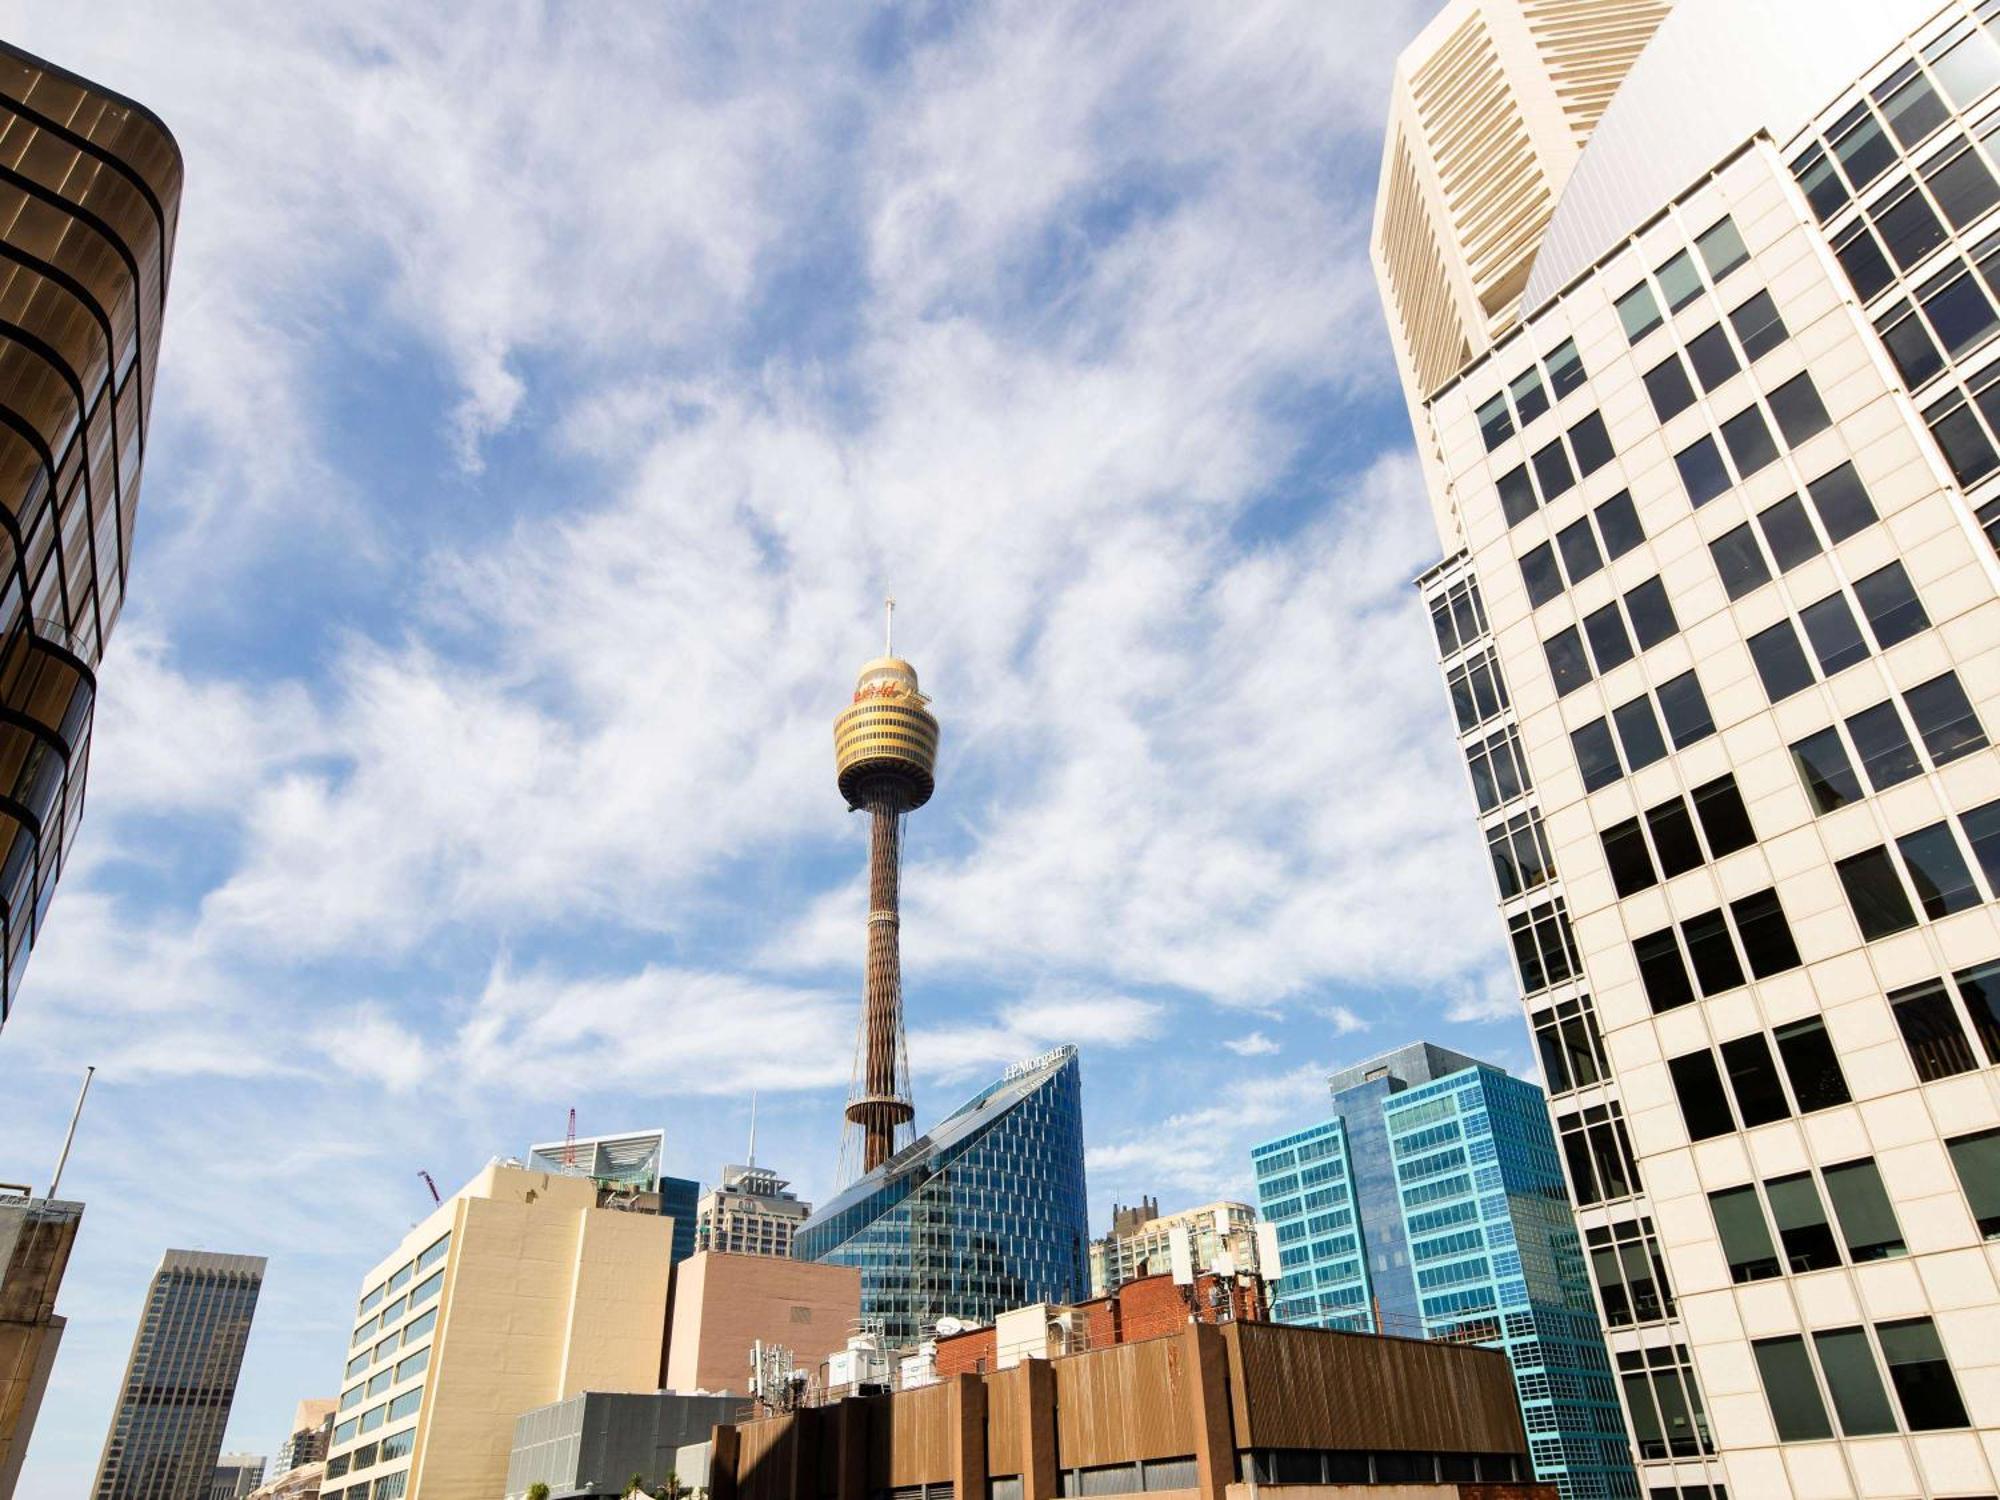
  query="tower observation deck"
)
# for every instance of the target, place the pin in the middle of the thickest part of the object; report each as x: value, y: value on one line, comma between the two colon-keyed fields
x: 885, y: 756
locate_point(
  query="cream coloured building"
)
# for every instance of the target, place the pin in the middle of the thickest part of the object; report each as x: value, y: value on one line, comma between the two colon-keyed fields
x: 1213, y: 1229
x: 517, y: 1291
x: 1719, y: 614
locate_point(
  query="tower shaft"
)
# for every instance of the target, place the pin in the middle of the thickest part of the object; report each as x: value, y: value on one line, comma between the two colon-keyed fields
x: 884, y: 1103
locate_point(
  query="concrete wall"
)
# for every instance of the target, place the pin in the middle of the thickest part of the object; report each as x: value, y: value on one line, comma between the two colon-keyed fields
x: 724, y: 1303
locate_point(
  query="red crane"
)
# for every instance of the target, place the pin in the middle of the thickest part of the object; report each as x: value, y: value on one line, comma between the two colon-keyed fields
x: 569, y: 1142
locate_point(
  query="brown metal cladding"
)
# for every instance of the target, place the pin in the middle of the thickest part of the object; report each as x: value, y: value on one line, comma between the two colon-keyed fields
x: 1006, y: 1402
x: 1129, y: 1401
x: 765, y: 1458
x: 1308, y: 1388
x: 910, y: 1438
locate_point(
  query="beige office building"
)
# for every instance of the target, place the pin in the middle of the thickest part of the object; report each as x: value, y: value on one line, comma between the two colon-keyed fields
x: 1715, y: 456
x: 752, y: 1211
x: 725, y: 1303
x: 1146, y: 1249
x: 517, y: 1291
x: 36, y: 1237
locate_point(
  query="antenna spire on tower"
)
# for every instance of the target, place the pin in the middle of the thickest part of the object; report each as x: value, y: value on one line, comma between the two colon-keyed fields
x: 889, y: 626
x: 753, y: 1130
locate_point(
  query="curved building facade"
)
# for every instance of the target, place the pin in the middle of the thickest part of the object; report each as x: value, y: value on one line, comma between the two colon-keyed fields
x: 986, y: 1213
x: 90, y: 187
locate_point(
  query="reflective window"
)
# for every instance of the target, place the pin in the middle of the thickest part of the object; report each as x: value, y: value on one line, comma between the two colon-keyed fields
x: 1958, y: 310
x: 1874, y: 893
x: 1867, y: 1222
x: 1911, y: 105
x: 1915, y: 352
x: 1931, y: 1030
x: 1667, y: 385
x: 1496, y: 423
x: 1963, y: 441
x: 1963, y: 187
x: 1725, y: 821
x: 1517, y: 495
x: 1836, y: 639
x: 1894, y: 612
x: 1791, y: 1391
x: 1596, y: 755
x: 1966, y: 62
x: 1685, y: 709
x: 1748, y: 438
x: 1567, y: 664
x: 1579, y: 551
x: 1766, y: 935
x: 1499, y: 771
x: 1630, y: 862
x: 1651, y: 612
x: 1530, y: 400
x: 1822, y: 764
x: 1823, y: 187
x: 1739, y: 562
x: 1713, y: 360
x: 1909, y: 229
x: 1925, y: 1387
x: 1944, y: 718
x: 1780, y: 661
x: 1789, y: 533
x: 1638, y: 732
x: 1702, y: 472
x: 1638, y: 312
x: 1721, y: 248
x: 1798, y: 410
x: 1539, y: 573
x: 1746, y: 1239
x: 1859, y: 1401
x: 1553, y: 475
x: 1862, y: 147
x: 1860, y: 255
x: 1698, y: 1086
x: 1753, y: 1080
x: 1610, y: 645
x: 1802, y: 1226
x: 1713, y: 955
x: 1976, y: 1159
x: 1938, y: 871
x: 1565, y: 368
x: 1843, y: 504
x: 1759, y: 328
x: 1591, y: 444
x: 1618, y: 525
x: 1662, y: 970
x: 1887, y: 756
x: 1982, y: 831
x: 1811, y: 1064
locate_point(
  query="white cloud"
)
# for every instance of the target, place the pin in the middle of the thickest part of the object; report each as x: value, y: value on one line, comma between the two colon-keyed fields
x: 1197, y: 1154
x: 1255, y: 1044
x: 1093, y: 1021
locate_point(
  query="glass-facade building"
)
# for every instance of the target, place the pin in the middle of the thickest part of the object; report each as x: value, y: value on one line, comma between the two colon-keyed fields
x: 986, y: 1213
x: 1432, y: 1206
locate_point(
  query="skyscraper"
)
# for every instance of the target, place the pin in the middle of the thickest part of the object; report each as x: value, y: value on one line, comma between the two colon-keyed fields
x: 88, y: 208
x: 1141, y: 1241
x: 1716, y: 613
x: 166, y: 1432
x: 1431, y: 1205
x: 305, y: 1443
x: 36, y: 1236
x: 885, y: 754
x: 750, y: 1212
x: 985, y: 1213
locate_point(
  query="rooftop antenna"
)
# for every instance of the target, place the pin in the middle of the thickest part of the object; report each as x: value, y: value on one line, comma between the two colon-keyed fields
x: 889, y: 626
x: 74, y: 1115
x: 753, y: 1129
x: 432, y: 1185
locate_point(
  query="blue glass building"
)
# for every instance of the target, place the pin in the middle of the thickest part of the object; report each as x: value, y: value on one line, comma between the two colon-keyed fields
x: 678, y: 1197
x: 984, y: 1214
x: 1432, y: 1205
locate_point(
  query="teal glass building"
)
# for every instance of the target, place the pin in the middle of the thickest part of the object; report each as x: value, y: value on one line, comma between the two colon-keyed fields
x: 1432, y: 1205
x: 984, y: 1214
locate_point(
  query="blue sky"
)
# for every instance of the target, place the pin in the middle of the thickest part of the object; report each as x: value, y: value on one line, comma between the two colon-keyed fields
x: 550, y: 395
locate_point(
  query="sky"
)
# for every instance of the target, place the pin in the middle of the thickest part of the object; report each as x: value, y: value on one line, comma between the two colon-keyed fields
x: 551, y: 394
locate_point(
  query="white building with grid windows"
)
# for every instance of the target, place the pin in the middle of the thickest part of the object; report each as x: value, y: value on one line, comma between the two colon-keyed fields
x: 1719, y: 616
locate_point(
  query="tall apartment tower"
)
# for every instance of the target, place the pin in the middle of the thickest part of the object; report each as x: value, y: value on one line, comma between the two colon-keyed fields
x: 88, y: 208
x: 180, y: 1381
x: 1718, y: 614
x: 1431, y: 1205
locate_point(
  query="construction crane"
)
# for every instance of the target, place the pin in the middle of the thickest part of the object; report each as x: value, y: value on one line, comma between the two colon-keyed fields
x: 430, y: 1184
x: 569, y: 1144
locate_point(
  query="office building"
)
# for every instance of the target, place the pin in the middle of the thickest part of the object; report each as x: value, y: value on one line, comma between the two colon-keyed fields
x: 724, y: 1303
x: 237, y: 1475
x: 626, y: 1169
x: 299, y: 1483
x: 36, y: 1236
x: 1143, y: 1246
x: 1431, y: 1204
x: 87, y: 217
x: 750, y: 1212
x: 985, y: 1213
x: 166, y: 1432
x: 1717, y: 615
x: 1205, y: 1412
x: 312, y: 1426
x: 524, y: 1287
x: 594, y: 1443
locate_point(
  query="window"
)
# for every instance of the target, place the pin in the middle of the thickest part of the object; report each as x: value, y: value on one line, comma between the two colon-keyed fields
x: 1909, y: 229
x: 406, y: 1403
x: 1665, y: 1403
x: 1721, y: 249
x: 1944, y: 718
x: 1618, y: 524
x: 1875, y: 894
x: 426, y: 1289
x: 1673, y: 836
x: 1520, y: 854
x: 1824, y: 770
x: 1725, y: 821
x: 1626, y: 855
x: 379, y: 1383
x: 1638, y: 732
x: 1887, y: 756
x: 1979, y: 988
x: 1685, y: 709
x: 1822, y: 185
x: 1959, y: 435
x: 1566, y: 1037
x: 1863, y: 150
x: 1910, y: 105
x: 1477, y: 693
x: 1738, y: 561
x: 1699, y: 1088
x: 1811, y: 1065
x: 1910, y: 345
x: 1836, y: 639
x: 1596, y: 756
x: 1758, y: 327
x: 1652, y: 613
x: 1567, y: 664
x: 1458, y: 617
x: 1610, y: 646
x: 1982, y: 830
x: 1667, y: 385
x: 1579, y: 551
x: 1662, y: 970
x: 1749, y: 441
x: 1544, y: 951
x: 1931, y: 1031
x: 1553, y: 475
x: 1789, y: 533
x: 1937, y: 869
x: 1803, y: 1231
x: 1591, y: 444
x: 1631, y: 1276
x: 1894, y: 612
x: 1790, y: 1389
x: 1921, y: 1375
x: 1539, y: 573
x: 1767, y: 937
x: 1781, y: 664
x: 1680, y: 281
x: 1798, y: 409
x: 1753, y: 1079
x: 1598, y: 1154
x: 1963, y: 187
x: 1843, y: 505
x: 1867, y: 1222
x: 1701, y: 470
x: 414, y: 1365
x: 1960, y: 313
x: 1746, y: 1240
x: 1565, y: 368
x: 371, y: 1419
x: 1517, y: 495
x: 1966, y: 62
x: 1530, y: 400
x: 1713, y: 360
x: 1638, y: 312
x: 1713, y: 955
x: 1856, y: 1385
x: 1861, y: 257
x: 1976, y: 1159
x: 1499, y: 773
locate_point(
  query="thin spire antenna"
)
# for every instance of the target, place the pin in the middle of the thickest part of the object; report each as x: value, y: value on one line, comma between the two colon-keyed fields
x: 889, y: 626
x: 753, y: 1129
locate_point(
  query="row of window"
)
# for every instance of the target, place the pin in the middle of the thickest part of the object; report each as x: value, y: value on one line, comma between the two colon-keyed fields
x: 1458, y: 616
x: 376, y: 1384
x: 1679, y: 282
x: 375, y: 1416
x: 1757, y: 1089
x: 1839, y: 504
x: 1497, y: 419
x: 1805, y: 1237
x: 1944, y: 319
x: 1933, y: 1028
x: 432, y: 1254
x: 1796, y: 408
x: 1571, y: 1050
x: 1583, y: 551
x: 1555, y: 469
x: 1889, y: 604
x: 1759, y: 328
x: 423, y: 1292
x: 395, y: 1445
x: 1630, y: 1273
x: 1681, y: 704
x: 1644, y: 615
x: 1881, y: 744
x: 1662, y: 843
x: 1751, y: 932
x: 401, y: 1338
x: 1934, y: 862
x: 1846, y: 1359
